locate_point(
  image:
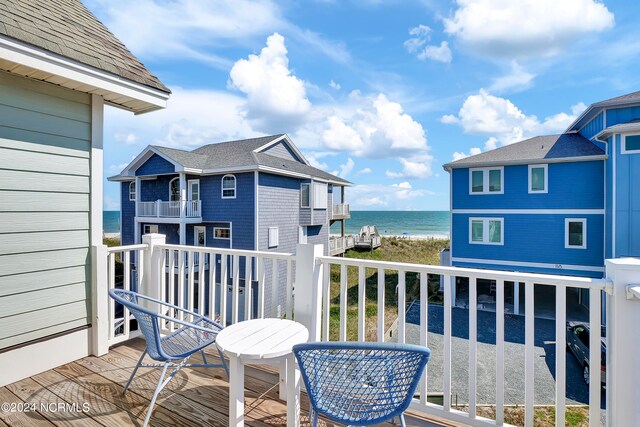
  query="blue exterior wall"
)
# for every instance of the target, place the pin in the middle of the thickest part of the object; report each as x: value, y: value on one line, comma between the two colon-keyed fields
x: 127, y: 213
x: 627, y: 197
x: 576, y: 185
x: 622, y: 115
x: 155, y: 165
x: 592, y: 128
x: 155, y: 189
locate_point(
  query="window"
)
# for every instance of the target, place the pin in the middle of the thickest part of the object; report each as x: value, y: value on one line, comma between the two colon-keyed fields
x: 273, y: 237
x: 149, y: 228
x: 222, y: 233
x: 194, y: 189
x: 320, y: 192
x: 132, y: 191
x: 199, y: 236
x: 630, y: 144
x: 174, y: 190
x: 305, y: 195
x: 575, y: 234
x: 486, y: 231
x: 538, y: 179
x: 228, y: 187
x: 486, y: 181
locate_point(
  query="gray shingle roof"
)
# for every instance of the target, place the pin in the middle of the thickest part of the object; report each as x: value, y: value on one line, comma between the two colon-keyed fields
x: 629, y: 98
x: 67, y: 28
x: 240, y: 153
x: 539, y: 148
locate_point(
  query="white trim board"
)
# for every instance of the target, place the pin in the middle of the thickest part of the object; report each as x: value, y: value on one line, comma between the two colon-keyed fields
x: 97, y: 80
x: 528, y: 264
x: 529, y: 211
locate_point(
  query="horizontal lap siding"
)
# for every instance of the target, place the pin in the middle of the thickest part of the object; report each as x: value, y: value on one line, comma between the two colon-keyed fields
x: 44, y: 215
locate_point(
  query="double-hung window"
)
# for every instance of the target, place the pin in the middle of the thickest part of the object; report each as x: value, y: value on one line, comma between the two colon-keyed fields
x: 305, y: 195
x: 538, y: 179
x: 575, y: 233
x: 631, y: 144
x: 132, y: 191
x: 486, y: 231
x: 486, y: 181
x: 228, y: 187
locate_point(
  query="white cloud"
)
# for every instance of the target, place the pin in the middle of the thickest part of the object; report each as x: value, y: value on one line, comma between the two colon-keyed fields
x: 472, y: 152
x: 417, y: 167
x: 276, y: 99
x: 440, y: 53
x: 128, y: 138
x: 364, y: 171
x: 395, y: 196
x: 118, y: 168
x: 339, y: 136
x: 525, y: 28
x: 345, y: 169
x: 334, y: 85
x: 517, y: 79
x: 418, y: 44
x: 503, y: 122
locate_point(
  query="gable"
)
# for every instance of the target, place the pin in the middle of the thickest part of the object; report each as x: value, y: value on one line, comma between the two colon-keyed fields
x: 281, y: 149
x: 155, y: 165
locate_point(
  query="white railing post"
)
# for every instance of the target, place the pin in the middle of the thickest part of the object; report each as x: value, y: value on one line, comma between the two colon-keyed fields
x: 623, y: 347
x: 308, y: 288
x: 152, y: 265
x: 99, y: 301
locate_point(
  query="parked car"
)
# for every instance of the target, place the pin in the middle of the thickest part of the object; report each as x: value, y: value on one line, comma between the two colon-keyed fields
x: 578, y: 343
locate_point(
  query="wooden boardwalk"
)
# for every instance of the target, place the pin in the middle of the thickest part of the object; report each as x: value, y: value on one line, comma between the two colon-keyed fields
x: 88, y: 392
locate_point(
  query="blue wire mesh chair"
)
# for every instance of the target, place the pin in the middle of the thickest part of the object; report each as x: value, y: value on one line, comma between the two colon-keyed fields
x: 360, y: 383
x: 175, y: 349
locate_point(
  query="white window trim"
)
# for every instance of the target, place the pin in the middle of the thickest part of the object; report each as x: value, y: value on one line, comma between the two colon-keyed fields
x: 623, y: 148
x: 189, y: 193
x: 174, y: 179
x: 485, y: 180
x: 144, y: 226
x: 485, y: 231
x: 308, y: 184
x: 222, y: 228
x: 566, y: 233
x: 134, y: 191
x: 270, y: 243
x: 196, y: 228
x: 235, y: 186
x: 546, y: 179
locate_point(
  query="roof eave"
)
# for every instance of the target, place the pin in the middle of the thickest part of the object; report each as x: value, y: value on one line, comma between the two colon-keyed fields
x: 39, y: 64
x: 449, y: 166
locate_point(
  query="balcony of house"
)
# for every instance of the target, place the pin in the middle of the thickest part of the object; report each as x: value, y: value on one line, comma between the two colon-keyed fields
x: 340, y: 244
x: 340, y: 211
x: 486, y: 368
x: 189, y: 211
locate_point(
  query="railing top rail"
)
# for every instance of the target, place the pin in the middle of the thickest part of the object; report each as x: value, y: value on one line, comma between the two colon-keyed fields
x: 545, y: 279
x: 127, y: 248
x: 241, y: 252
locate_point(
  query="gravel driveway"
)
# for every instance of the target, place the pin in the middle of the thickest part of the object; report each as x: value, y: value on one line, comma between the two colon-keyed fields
x: 577, y: 390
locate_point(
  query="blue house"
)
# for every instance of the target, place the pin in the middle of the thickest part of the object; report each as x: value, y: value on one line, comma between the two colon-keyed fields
x: 557, y: 204
x: 254, y: 194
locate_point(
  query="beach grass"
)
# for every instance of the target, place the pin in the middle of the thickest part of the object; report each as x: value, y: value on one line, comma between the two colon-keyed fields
x: 392, y: 249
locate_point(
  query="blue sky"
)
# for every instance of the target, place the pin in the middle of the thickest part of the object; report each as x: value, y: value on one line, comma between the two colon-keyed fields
x: 382, y: 93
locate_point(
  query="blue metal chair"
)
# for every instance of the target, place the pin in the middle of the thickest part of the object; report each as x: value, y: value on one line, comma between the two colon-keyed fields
x: 360, y: 383
x: 173, y: 350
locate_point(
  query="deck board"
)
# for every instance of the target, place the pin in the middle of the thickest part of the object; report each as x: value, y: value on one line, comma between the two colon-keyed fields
x: 195, y: 397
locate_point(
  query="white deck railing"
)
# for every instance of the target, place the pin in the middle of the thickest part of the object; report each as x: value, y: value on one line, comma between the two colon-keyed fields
x: 171, y: 273
x: 340, y: 211
x: 164, y: 209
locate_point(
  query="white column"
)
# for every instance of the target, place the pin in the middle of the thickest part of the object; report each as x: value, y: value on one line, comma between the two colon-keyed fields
x: 516, y: 297
x: 453, y: 291
x: 138, y: 191
x: 623, y: 347
x: 151, y: 265
x: 308, y: 300
x: 99, y: 301
x: 183, y: 196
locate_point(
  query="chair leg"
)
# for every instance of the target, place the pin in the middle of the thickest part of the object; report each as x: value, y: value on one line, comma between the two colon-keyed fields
x: 224, y: 363
x: 313, y: 417
x: 159, y: 387
x: 402, y: 421
x: 144, y: 353
x: 204, y: 357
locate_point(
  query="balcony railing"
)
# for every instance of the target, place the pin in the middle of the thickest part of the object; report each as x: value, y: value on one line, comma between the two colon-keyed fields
x: 164, y: 209
x: 340, y: 211
x: 318, y: 279
x: 339, y: 245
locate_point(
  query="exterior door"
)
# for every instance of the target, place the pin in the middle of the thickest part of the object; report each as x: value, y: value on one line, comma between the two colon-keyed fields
x: 194, y: 190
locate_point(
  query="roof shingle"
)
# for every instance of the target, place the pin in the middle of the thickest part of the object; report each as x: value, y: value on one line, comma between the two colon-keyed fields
x: 67, y: 28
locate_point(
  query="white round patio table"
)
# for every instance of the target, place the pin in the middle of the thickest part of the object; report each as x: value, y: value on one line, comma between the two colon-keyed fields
x: 262, y: 341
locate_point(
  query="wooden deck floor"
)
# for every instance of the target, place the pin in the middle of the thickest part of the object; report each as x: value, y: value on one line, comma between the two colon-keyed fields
x: 88, y: 392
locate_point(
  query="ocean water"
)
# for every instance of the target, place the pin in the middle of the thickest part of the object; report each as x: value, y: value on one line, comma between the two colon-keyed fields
x: 111, y: 221
x: 414, y: 223
x: 395, y: 223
